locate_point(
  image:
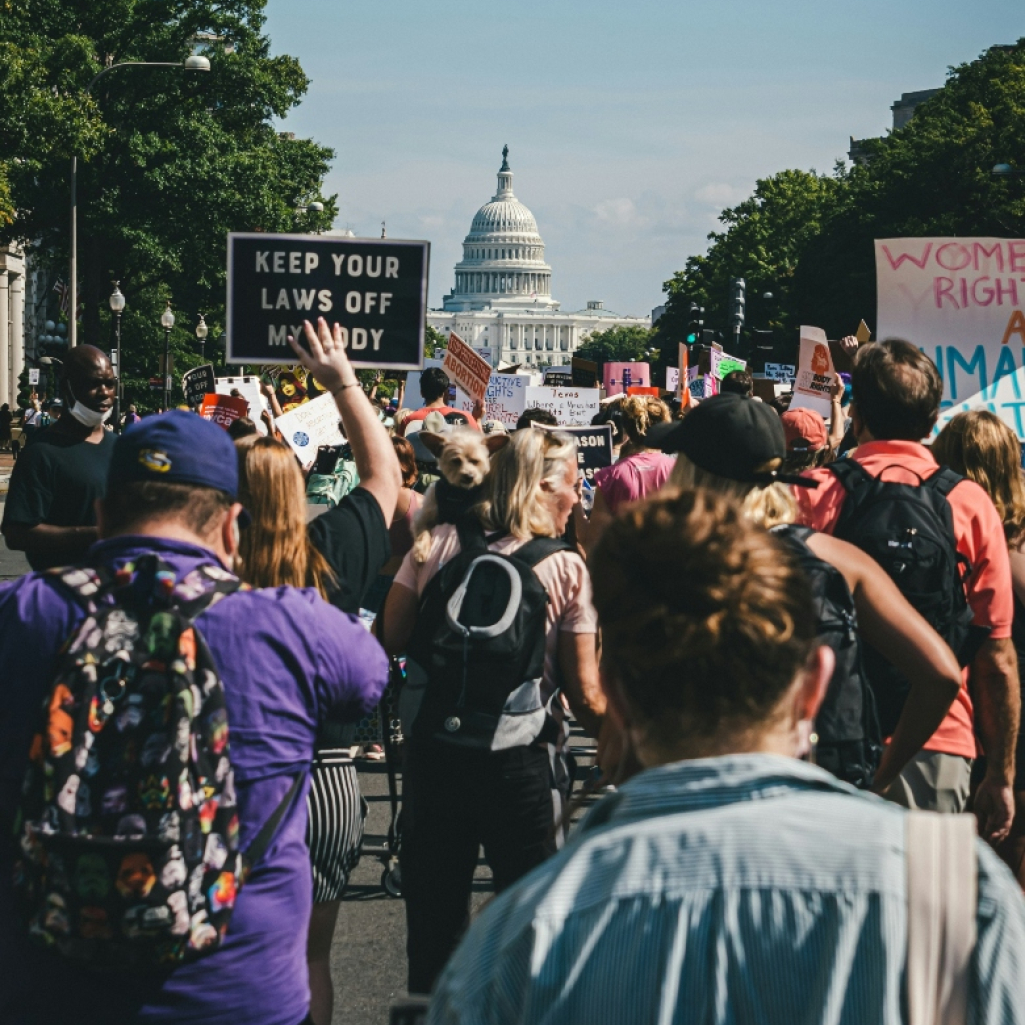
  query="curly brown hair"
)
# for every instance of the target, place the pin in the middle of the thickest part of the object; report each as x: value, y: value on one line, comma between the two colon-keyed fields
x: 706, y: 619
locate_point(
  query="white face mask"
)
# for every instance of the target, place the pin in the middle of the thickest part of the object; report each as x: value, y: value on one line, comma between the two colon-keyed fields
x: 84, y: 415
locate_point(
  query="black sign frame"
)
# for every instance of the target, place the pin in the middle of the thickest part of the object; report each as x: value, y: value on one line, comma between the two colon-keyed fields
x: 594, y: 446
x: 198, y: 377
x: 275, y: 264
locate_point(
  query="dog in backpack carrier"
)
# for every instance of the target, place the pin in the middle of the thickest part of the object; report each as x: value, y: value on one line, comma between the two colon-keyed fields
x: 464, y: 458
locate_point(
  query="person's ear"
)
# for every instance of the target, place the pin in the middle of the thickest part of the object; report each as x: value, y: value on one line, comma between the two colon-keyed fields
x: 230, y: 536
x: 814, y: 682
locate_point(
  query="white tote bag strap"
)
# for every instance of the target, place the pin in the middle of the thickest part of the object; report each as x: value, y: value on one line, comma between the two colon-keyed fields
x: 942, y: 896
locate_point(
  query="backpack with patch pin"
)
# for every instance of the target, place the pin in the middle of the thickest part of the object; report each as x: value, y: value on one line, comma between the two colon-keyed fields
x: 849, y: 743
x: 909, y: 530
x: 476, y: 658
x: 127, y: 830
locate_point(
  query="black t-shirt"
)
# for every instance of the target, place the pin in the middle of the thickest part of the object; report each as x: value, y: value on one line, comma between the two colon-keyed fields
x: 56, y: 480
x: 354, y: 540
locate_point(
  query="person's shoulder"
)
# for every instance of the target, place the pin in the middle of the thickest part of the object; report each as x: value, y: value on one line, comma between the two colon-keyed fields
x: 260, y: 609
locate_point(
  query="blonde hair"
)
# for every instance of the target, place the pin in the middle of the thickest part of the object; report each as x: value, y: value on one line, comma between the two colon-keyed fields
x: 981, y: 446
x: 765, y: 506
x: 514, y: 500
x: 275, y: 548
x: 640, y: 412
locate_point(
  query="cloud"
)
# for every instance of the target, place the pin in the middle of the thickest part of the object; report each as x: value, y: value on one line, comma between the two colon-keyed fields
x: 720, y: 194
x: 616, y: 211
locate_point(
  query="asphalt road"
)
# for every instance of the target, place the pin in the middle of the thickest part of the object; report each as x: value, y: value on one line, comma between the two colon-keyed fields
x: 368, y: 958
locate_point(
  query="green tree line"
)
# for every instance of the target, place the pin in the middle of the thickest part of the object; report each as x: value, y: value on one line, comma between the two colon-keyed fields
x: 807, y: 238
x: 169, y: 161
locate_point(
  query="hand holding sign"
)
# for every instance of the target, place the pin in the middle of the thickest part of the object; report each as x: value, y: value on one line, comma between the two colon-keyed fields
x: 326, y: 358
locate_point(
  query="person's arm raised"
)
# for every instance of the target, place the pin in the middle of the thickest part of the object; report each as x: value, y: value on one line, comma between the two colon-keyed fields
x: 376, y: 462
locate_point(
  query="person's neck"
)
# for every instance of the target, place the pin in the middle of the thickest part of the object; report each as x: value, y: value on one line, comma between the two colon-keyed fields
x: 172, y: 530
x: 69, y: 425
x: 435, y: 404
x: 778, y: 739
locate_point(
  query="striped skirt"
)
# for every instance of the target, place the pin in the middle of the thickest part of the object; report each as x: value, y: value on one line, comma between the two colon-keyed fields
x: 334, y: 831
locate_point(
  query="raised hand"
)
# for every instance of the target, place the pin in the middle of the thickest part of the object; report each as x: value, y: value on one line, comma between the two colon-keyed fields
x: 326, y: 358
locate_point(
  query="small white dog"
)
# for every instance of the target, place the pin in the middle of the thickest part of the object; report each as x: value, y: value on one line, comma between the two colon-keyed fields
x: 464, y: 458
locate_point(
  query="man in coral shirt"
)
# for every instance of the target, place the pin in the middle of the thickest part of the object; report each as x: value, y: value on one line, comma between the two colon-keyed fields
x: 897, y: 392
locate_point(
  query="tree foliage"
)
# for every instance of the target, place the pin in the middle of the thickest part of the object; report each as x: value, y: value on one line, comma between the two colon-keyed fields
x: 616, y: 345
x: 808, y: 238
x: 170, y: 160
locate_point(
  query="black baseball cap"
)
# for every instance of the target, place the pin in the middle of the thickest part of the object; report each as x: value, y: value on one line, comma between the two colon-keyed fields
x: 732, y: 436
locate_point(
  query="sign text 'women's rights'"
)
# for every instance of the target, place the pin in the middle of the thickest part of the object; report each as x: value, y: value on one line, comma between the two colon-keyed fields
x: 376, y: 289
x: 962, y: 302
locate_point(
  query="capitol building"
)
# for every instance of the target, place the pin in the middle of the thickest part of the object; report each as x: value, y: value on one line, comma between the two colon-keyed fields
x: 502, y: 300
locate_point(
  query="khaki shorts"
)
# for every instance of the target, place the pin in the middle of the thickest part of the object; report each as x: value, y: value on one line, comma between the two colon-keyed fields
x: 933, y: 781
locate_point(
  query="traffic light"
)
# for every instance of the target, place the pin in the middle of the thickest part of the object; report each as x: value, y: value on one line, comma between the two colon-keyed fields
x: 696, y: 323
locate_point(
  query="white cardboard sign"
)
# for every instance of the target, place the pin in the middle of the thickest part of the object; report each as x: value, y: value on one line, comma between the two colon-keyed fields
x: 311, y: 425
x: 814, y: 373
x: 573, y: 407
x: 249, y: 388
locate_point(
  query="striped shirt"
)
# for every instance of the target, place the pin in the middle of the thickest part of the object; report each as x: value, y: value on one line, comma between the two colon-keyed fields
x: 747, y: 888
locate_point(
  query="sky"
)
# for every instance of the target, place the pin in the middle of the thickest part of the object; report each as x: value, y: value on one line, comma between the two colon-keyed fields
x: 630, y: 125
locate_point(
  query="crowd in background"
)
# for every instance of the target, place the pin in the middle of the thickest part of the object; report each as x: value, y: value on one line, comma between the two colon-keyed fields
x: 775, y: 702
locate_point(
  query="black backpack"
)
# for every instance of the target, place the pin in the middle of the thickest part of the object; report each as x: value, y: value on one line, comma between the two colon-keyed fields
x: 849, y: 741
x: 128, y: 825
x: 909, y: 530
x: 477, y: 654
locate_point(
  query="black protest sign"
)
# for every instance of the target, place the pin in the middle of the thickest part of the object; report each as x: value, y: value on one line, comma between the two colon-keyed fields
x: 585, y: 373
x: 376, y: 289
x: 198, y: 382
x: 594, y: 446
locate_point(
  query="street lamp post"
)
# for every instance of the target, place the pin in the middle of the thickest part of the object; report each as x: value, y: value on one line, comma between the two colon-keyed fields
x: 194, y: 63
x: 167, y: 322
x: 117, y: 305
x: 201, y: 332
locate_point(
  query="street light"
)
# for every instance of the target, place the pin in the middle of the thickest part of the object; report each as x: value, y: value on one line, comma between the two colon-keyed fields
x: 194, y: 63
x: 1007, y: 171
x: 167, y: 322
x: 201, y: 332
x: 117, y: 305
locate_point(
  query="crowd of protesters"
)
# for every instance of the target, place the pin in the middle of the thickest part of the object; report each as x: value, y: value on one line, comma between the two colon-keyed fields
x: 795, y: 642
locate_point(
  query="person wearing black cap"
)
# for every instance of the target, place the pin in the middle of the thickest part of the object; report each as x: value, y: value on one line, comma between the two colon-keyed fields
x: 734, y: 446
x: 287, y: 660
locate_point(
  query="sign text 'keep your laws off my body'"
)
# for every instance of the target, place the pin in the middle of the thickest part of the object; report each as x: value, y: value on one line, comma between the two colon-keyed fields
x: 376, y: 289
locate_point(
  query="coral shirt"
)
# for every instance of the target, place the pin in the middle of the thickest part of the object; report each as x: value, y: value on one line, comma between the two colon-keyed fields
x: 980, y: 538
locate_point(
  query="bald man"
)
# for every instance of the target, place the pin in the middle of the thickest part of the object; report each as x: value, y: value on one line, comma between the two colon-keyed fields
x: 49, y: 512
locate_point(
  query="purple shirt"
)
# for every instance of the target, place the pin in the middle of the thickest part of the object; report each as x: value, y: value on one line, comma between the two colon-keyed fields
x: 288, y: 660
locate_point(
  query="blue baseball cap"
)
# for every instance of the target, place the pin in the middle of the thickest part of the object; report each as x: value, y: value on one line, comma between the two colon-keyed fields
x: 177, y: 447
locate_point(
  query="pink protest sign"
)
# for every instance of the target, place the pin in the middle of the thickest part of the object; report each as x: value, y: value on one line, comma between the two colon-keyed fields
x: 466, y: 368
x: 617, y: 377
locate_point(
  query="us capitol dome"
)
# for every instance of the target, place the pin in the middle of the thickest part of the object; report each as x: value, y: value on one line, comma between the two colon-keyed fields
x: 502, y: 301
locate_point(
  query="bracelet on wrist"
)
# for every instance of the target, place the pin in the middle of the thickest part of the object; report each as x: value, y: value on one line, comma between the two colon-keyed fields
x: 342, y: 387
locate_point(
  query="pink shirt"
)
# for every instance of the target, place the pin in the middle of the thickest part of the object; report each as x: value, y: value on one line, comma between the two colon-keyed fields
x: 564, y: 576
x: 632, y: 478
x: 980, y: 538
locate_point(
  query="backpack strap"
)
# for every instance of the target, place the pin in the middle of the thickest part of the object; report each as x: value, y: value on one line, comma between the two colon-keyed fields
x: 794, y: 531
x: 942, y: 884
x: 850, y: 473
x: 256, y: 850
x: 943, y: 481
x: 471, y: 534
x: 539, y: 548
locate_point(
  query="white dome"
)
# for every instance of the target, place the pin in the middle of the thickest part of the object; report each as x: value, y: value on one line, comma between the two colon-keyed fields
x: 503, y: 255
x: 504, y: 215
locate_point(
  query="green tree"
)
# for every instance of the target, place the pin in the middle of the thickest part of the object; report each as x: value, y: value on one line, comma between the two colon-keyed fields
x: 763, y: 240
x: 931, y: 177
x: 434, y: 342
x: 169, y: 161
x: 617, y: 345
